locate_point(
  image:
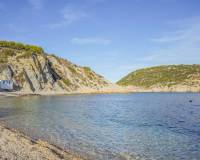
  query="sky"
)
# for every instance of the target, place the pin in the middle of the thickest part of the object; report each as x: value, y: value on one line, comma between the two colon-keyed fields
x: 113, y: 37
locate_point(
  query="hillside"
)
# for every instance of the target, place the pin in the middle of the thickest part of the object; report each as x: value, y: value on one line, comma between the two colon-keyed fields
x: 33, y: 70
x: 165, y: 78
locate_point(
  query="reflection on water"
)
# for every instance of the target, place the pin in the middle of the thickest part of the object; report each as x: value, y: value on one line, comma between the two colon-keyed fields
x: 122, y: 126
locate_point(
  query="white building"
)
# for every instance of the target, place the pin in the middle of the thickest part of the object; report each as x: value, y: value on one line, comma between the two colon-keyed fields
x: 6, y: 85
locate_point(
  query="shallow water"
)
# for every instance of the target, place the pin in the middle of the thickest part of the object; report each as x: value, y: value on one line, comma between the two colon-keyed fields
x: 112, y: 126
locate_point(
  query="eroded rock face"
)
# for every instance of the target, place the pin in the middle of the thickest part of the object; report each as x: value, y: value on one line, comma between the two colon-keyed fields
x: 35, y: 72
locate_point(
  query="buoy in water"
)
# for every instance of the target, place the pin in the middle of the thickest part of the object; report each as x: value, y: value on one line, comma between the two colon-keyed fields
x: 190, y: 101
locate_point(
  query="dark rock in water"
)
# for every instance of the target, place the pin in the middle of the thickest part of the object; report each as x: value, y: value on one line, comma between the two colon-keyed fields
x: 190, y: 101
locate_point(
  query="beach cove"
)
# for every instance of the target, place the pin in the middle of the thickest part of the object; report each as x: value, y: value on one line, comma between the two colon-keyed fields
x: 110, y: 126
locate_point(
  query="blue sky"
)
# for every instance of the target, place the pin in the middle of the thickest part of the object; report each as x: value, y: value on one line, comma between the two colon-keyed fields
x: 113, y: 37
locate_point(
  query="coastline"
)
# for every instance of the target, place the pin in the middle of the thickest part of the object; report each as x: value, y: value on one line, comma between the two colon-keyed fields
x: 121, y: 90
x: 107, y: 90
x: 16, y: 145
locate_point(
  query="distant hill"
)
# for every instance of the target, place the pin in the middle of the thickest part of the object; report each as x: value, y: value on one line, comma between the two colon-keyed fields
x: 33, y: 70
x: 165, y: 78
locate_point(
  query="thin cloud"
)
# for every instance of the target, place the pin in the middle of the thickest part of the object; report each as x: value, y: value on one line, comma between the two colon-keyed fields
x: 87, y: 41
x: 73, y: 12
x: 181, y: 45
x: 36, y: 4
x: 69, y: 14
x: 168, y: 39
x: 182, y: 30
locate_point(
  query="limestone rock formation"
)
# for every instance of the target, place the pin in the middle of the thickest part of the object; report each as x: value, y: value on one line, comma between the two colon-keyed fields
x: 32, y: 70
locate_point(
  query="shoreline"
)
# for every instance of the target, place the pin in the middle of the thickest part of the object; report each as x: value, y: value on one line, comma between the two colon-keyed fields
x: 22, y: 94
x: 16, y: 145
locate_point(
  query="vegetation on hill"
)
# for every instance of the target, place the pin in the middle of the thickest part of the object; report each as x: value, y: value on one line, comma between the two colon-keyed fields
x: 161, y: 75
x: 20, y: 46
x: 10, y: 48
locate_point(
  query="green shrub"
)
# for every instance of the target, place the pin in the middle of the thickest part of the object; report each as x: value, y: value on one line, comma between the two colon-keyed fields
x: 66, y: 82
x: 8, y: 52
x: 21, y: 46
x: 71, y: 69
x: 5, y: 53
x: 26, y: 54
x: 87, y: 69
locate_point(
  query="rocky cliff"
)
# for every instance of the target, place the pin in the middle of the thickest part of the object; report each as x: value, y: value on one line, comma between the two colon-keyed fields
x: 33, y: 70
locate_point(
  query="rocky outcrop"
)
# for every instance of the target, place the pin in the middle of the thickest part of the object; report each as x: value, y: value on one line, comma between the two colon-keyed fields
x: 40, y: 72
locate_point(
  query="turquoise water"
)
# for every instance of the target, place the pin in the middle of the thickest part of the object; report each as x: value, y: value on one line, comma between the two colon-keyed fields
x: 163, y: 126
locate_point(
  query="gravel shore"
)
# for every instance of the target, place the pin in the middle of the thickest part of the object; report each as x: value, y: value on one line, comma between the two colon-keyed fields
x: 16, y: 146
